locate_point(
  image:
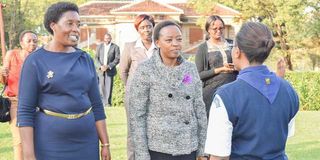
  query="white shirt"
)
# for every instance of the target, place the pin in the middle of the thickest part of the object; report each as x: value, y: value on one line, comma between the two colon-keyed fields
x: 106, y: 50
x: 149, y: 51
x: 219, y: 132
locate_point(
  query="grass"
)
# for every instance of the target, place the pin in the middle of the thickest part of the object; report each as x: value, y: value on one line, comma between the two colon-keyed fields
x: 305, y: 145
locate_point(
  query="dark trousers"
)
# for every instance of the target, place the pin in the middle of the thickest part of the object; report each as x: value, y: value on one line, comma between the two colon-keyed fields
x: 162, y: 156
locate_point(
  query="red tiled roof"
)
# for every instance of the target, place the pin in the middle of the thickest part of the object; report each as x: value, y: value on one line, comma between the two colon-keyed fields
x: 219, y: 9
x: 99, y: 8
x: 104, y: 8
x: 148, y: 6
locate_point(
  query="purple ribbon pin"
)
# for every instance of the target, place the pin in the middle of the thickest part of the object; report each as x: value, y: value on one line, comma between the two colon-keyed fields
x: 187, y: 79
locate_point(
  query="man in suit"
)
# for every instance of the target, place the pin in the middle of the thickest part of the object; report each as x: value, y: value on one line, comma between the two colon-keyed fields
x: 107, y: 57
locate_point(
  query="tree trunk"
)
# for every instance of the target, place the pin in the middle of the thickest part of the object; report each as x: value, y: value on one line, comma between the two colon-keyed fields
x: 284, y: 46
x: 16, y: 23
x: 288, y: 61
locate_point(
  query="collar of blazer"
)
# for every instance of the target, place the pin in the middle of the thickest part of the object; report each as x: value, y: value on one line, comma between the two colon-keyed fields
x: 173, y: 76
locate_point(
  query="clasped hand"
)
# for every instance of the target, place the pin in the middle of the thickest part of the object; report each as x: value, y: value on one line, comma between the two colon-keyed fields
x: 104, y: 68
x: 226, y: 68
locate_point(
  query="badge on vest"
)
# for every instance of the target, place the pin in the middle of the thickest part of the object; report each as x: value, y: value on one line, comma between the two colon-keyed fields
x: 267, y: 80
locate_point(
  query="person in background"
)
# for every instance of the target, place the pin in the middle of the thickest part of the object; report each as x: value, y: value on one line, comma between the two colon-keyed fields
x: 107, y: 57
x: 10, y: 77
x: 166, y: 111
x: 252, y: 117
x: 213, y: 60
x: 139, y: 50
x: 134, y: 53
x: 60, y: 113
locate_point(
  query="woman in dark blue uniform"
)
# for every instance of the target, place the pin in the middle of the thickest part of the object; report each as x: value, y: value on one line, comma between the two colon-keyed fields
x: 252, y: 117
x: 61, y: 81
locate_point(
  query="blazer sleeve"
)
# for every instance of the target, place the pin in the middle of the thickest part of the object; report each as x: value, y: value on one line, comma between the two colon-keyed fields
x: 116, y: 57
x: 125, y: 63
x: 200, y: 59
x: 97, y: 57
x: 138, y: 99
x: 200, y: 112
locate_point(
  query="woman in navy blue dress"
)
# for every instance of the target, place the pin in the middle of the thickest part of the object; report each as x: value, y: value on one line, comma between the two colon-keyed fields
x: 61, y: 81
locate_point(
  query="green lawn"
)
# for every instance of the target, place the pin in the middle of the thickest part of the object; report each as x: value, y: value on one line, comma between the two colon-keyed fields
x: 305, y: 145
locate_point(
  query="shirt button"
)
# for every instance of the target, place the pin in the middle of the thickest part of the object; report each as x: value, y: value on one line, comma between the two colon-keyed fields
x: 170, y: 95
x: 188, y: 97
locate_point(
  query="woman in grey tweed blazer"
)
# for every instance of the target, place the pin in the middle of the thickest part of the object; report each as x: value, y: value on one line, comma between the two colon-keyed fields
x: 166, y: 110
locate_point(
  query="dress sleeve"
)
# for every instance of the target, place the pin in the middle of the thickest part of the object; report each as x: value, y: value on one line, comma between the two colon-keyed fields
x: 200, y: 58
x: 125, y: 63
x: 29, y: 89
x: 138, y: 97
x: 219, y: 134
x: 201, y: 115
x: 94, y: 95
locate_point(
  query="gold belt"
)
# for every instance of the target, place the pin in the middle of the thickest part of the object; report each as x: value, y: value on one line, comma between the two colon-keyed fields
x: 66, y: 116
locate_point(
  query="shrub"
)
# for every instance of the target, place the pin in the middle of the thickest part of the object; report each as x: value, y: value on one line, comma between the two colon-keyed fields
x: 118, y: 92
x: 307, y: 84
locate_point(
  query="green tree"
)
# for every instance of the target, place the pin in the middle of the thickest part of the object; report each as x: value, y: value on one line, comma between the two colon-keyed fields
x: 12, y: 21
x: 25, y: 14
x: 285, y: 17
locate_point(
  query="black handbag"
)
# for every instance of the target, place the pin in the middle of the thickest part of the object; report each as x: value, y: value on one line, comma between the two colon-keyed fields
x: 4, y: 107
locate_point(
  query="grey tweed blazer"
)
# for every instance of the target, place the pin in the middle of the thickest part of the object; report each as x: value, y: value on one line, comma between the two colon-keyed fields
x: 166, y: 110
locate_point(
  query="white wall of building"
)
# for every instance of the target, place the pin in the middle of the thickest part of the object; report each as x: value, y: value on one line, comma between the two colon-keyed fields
x: 125, y: 32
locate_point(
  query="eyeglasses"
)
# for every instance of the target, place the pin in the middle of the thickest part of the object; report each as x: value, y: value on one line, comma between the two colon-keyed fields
x: 216, y: 29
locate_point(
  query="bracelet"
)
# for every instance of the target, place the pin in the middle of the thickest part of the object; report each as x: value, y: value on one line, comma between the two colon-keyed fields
x: 105, y: 145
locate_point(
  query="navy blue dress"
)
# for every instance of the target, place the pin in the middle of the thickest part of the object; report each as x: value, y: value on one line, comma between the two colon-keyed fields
x: 64, y: 83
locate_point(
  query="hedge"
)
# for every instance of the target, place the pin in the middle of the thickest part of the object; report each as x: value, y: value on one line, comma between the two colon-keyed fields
x: 307, y: 85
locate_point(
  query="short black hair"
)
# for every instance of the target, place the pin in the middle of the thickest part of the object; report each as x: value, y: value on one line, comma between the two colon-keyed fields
x: 255, y: 40
x: 25, y: 32
x: 55, y: 11
x: 159, y: 26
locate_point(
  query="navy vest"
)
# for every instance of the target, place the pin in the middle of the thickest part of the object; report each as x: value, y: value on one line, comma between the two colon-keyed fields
x: 260, y: 129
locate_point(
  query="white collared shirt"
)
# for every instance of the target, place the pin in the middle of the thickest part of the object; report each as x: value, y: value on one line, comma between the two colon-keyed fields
x: 106, y: 50
x: 149, y: 51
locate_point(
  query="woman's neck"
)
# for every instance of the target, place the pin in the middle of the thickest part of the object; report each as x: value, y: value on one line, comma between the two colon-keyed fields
x: 219, y: 41
x: 146, y: 43
x: 169, y: 62
x: 247, y: 64
x: 23, y: 54
x: 54, y: 46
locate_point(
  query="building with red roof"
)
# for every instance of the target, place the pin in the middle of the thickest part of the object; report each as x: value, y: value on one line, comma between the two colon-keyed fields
x: 116, y: 17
